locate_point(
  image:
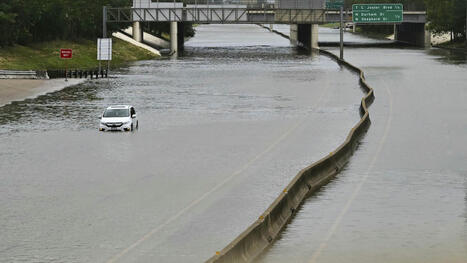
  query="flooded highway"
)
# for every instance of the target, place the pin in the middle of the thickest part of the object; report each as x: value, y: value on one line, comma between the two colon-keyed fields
x: 402, y: 197
x: 222, y: 130
x: 329, y: 35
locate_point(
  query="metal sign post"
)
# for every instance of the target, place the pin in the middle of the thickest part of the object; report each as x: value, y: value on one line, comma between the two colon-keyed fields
x: 104, y: 51
x: 66, y: 54
x: 339, y: 5
x: 104, y: 33
x: 104, y: 22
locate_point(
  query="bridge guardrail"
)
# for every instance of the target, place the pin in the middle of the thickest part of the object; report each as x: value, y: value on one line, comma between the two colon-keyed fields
x: 19, y: 74
x: 266, y: 228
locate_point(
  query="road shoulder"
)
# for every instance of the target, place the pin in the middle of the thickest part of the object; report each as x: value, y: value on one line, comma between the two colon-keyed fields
x: 21, y: 89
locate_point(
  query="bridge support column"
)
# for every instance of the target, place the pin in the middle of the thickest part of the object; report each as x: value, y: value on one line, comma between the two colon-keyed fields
x: 304, y: 35
x: 413, y: 33
x: 174, y: 37
x: 294, y: 34
x: 137, y: 32
x: 314, y: 36
x: 181, y: 36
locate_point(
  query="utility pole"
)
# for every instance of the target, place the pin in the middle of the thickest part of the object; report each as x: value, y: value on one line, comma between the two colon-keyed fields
x: 342, y: 33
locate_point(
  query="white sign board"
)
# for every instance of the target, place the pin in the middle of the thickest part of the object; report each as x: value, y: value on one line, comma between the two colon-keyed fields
x: 104, y: 49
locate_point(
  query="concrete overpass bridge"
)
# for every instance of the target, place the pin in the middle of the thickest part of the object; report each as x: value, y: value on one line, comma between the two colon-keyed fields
x: 304, y: 16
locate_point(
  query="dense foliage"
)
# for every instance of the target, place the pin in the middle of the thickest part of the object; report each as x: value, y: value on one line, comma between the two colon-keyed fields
x: 32, y: 21
x: 447, y: 16
x: 25, y: 21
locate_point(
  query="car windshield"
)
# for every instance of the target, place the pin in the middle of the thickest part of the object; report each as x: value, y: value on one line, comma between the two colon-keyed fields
x: 115, y: 113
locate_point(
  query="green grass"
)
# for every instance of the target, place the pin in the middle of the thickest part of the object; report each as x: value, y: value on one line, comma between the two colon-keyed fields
x: 46, y: 55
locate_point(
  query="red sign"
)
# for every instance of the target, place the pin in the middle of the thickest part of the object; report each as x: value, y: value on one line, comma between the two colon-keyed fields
x: 66, y: 53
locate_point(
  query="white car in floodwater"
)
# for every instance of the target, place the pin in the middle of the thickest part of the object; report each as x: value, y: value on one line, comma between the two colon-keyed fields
x: 119, y: 118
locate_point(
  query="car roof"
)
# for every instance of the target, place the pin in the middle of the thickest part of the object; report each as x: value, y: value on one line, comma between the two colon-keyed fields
x: 119, y: 107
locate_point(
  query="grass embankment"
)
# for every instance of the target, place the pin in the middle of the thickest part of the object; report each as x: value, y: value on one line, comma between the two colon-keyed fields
x: 454, y: 45
x: 46, y: 55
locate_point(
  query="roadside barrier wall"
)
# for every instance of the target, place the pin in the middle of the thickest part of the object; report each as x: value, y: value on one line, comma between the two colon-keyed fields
x: 266, y: 228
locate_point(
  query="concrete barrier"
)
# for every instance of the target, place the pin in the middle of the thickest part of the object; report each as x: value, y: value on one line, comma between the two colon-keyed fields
x: 266, y: 228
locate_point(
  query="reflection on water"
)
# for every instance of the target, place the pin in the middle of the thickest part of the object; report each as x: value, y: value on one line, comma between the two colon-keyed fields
x: 73, y: 107
x: 449, y: 56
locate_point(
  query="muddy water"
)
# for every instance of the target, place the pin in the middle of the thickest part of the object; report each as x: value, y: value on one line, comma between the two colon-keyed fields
x: 403, y: 196
x: 222, y: 130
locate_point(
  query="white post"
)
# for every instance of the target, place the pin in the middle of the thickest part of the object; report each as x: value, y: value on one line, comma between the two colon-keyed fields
x: 173, y: 38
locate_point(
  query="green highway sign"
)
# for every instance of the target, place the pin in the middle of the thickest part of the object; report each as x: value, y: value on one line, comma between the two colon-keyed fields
x: 334, y: 4
x: 377, y: 13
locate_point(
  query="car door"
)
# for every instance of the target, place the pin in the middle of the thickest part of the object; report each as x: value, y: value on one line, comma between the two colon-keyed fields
x: 135, y: 119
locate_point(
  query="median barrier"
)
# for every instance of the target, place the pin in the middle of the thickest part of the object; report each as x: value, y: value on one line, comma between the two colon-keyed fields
x: 249, y: 244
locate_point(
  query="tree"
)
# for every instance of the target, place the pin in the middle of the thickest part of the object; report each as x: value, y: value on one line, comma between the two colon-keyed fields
x: 447, y: 16
x: 29, y: 21
x: 7, y: 20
